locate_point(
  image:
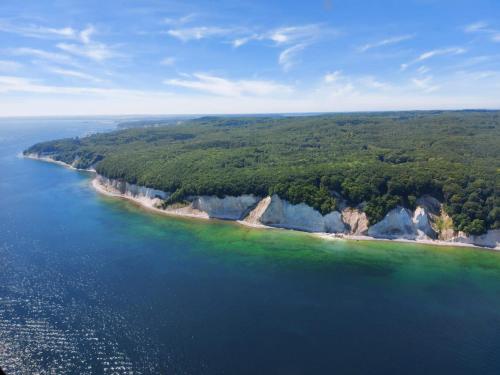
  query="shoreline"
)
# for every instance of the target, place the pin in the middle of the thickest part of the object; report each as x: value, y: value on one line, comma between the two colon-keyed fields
x: 325, y: 236
x: 195, y: 214
x: 48, y: 159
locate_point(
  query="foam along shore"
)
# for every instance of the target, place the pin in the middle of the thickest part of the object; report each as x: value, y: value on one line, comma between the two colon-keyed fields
x: 400, y: 224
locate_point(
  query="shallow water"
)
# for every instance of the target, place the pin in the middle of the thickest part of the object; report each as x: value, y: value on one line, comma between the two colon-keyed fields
x: 91, y: 284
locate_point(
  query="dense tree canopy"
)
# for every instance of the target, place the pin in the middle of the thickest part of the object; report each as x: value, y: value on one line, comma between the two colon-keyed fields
x: 378, y: 160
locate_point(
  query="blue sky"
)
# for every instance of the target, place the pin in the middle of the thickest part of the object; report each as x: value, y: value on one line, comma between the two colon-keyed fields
x: 170, y: 57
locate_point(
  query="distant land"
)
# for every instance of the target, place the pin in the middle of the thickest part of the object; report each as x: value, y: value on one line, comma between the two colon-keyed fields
x: 420, y: 175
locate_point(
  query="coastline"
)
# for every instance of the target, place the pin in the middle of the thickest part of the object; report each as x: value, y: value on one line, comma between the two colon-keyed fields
x: 146, y: 203
x: 48, y: 159
x: 325, y: 236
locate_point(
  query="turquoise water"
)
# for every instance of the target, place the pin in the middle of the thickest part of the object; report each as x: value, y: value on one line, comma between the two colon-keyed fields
x: 96, y: 285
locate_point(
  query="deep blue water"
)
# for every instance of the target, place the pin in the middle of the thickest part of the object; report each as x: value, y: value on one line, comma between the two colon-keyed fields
x: 94, y: 285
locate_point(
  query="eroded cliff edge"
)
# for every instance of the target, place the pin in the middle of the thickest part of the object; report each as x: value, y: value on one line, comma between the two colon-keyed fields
x: 424, y: 224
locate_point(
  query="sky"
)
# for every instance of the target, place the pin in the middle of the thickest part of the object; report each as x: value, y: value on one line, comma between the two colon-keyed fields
x: 113, y: 57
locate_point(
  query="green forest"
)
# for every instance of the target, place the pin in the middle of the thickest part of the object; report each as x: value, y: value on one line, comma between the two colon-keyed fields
x: 376, y: 160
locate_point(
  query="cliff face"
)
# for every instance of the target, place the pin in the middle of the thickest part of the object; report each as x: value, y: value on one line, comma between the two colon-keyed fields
x: 489, y: 239
x: 356, y: 221
x: 229, y: 208
x: 396, y: 224
x: 131, y: 190
x: 399, y: 223
x: 283, y: 214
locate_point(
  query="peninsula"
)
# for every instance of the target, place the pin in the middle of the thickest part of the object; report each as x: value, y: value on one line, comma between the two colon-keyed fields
x: 427, y: 176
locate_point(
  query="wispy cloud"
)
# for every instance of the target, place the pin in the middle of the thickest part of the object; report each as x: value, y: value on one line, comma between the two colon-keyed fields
x: 74, y: 74
x: 168, y: 61
x: 434, y: 53
x: 480, y: 26
x: 425, y: 84
x: 36, y: 31
x: 373, y: 83
x: 177, y: 21
x: 386, y: 42
x: 232, y: 88
x: 336, y: 84
x: 294, y: 38
x: 198, y: 33
x: 287, y: 35
x: 28, y: 85
x: 88, y: 48
x: 59, y: 58
x: 44, y: 32
x: 86, y: 33
x: 287, y: 56
x: 332, y: 77
x: 93, y: 51
x: 484, y: 28
x: 9, y: 66
x: 423, y: 69
x: 440, y: 52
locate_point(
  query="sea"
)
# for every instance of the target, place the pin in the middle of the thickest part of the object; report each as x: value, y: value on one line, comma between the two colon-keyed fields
x: 96, y: 285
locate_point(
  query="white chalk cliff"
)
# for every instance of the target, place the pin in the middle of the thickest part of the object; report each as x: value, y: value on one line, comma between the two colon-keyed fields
x: 229, y: 208
x: 282, y: 214
x: 399, y: 223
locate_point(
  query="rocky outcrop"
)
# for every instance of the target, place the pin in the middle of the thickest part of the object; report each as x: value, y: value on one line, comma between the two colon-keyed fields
x: 228, y: 208
x: 131, y: 190
x: 356, y: 221
x: 397, y: 223
x: 282, y: 214
x: 490, y: 239
x: 422, y: 222
x: 253, y: 218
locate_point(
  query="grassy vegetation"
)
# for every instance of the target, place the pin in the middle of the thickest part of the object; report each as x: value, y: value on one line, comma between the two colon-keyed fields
x: 379, y: 160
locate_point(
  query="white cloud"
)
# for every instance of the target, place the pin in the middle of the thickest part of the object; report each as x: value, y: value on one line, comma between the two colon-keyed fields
x: 93, y: 51
x: 180, y: 20
x: 287, y: 57
x: 168, y: 61
x: 345, y: 94
x: 35, y: 31
x: 295, y: 38
x: 332, y: 77
x: 197, y: 33
x: 440, y: 52
x: 385, y: 42
x: 287, y: 35
x: 293, y: 34
x: 476, y: 27
x: 88, y: 48
x: 244, y: 40
x: 426, y: 84
x: 373, y: 83
x: 86, y: 33
x: 9, y: 66
x: 9, y: 84
x: 484, y: 28
x: 232, y: 88
x: 41, y: 54
x: 434, y: 53
x: 423, y: 69
x: 75, y: 74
